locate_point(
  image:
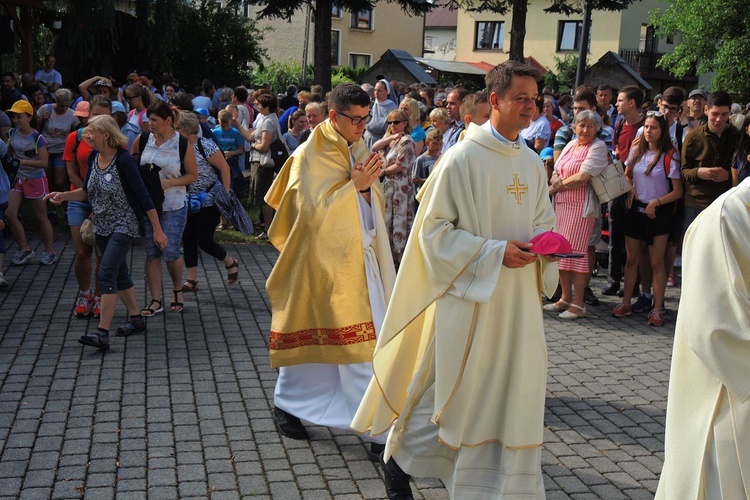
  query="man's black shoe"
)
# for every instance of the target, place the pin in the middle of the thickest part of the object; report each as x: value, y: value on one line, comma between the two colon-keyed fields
x: 288, y: 425
x: 612, y: 289
x: 376, y: 449
x: 589, y: 297
x: 396, y: 481
x: 555, y: 296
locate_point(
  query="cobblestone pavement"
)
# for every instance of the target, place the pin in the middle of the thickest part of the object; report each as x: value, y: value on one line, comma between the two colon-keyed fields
x: 184, y: 411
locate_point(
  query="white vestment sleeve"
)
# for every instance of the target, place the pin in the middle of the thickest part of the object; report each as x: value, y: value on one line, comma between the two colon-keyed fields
x: 453, y: 248
x: 717, y: 254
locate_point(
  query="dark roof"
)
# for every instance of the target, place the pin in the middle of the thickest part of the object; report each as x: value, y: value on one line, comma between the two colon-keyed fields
x: 614, y: 59
x: 411, y: 64
x: 441, y: 17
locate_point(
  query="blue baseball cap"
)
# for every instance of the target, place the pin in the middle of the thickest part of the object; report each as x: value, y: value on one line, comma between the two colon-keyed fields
x: 201, y: 111
x: 547, y: 153
x: 117, y: 107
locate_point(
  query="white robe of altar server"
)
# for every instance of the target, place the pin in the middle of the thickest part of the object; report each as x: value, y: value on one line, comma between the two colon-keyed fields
x: 707, y: 443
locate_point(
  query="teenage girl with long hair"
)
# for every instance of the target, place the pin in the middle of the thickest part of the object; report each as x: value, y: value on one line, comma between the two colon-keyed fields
x: 657, y: 186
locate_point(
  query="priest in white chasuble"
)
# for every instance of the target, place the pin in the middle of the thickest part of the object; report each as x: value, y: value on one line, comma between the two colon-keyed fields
x: 334, y: 275
x: 707, y: 441
x: 460, y: 366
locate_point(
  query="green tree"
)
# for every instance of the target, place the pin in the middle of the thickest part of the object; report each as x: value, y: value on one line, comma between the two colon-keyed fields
x: 213, y: 41
x: 279, y: 74
x: 715, y: 37
x: 322, y: 21
x: 519, y: 9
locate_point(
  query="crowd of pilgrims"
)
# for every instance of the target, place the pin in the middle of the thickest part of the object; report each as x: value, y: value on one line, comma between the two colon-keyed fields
x: 89, y: 148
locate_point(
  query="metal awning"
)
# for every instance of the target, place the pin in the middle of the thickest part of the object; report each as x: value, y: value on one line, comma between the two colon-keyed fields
x: 451, y: 66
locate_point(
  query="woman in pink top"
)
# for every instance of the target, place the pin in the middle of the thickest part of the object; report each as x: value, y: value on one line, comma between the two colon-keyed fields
x: 583, y: 157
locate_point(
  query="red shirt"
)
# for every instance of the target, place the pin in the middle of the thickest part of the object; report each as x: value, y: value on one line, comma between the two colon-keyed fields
x: 81, y: 156
x: 625, y: 138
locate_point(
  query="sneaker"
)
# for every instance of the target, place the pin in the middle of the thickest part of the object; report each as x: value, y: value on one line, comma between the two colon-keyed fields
x: 48, y: 258
x: 622, y: 310
x: 655, y: 317
x: 670, y: 282
x: 96, y: 311
x: 23, y: 256
x: 83, y: 305
x: 589, y: 297
x: 643, y: 304
x: 3, y: 282
x: 611, y: 289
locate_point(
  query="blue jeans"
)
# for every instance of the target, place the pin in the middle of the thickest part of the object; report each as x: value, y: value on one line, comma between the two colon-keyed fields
x: 173, y: 225
x: 114, y: 275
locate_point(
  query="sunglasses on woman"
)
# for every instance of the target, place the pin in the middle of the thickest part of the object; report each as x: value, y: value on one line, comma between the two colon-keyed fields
x: 396, y: 122
x: 657, y: 114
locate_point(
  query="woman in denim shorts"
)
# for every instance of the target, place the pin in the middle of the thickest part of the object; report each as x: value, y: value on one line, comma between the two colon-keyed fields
x: 163, y: 150
x: 119, y: 199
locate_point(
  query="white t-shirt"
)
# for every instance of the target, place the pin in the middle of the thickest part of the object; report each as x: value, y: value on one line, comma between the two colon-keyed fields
x: 53, y: 76
x: 538, y: 129
x: 136, y: 119
x: 655, y: 184
x: 57, y: 127
x: 202, y: 101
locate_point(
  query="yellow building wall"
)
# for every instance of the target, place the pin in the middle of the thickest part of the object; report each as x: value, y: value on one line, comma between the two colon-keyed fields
x: 392, y: 29
x: 609, y: 31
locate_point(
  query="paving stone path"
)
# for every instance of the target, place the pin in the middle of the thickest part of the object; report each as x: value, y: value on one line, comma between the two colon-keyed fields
x: 184, y: 411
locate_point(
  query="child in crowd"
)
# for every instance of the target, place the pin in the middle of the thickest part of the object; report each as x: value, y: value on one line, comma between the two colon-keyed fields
x: 548, y: 157
x: 30, y: 148
x: 475, y: 108
x: 424, y: 162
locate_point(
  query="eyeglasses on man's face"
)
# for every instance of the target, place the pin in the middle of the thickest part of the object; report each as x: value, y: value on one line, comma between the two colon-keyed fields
x: 357, y: 120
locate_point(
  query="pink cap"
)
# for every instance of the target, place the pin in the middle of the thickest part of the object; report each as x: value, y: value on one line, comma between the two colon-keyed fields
x: 83, y: 109
x: 549, y: 242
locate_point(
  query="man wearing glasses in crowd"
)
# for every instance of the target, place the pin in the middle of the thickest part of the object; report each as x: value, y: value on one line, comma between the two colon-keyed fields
x: 331, y: 283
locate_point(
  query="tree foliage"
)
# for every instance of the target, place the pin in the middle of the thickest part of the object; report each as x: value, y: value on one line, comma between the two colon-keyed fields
x: 279, y: 74
x: 715, y: 37
x: 285, y: 9
x: 213, y: 42
x: 92, y: 30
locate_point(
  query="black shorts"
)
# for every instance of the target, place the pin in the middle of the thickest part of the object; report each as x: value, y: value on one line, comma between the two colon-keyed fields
x: 640, y: 227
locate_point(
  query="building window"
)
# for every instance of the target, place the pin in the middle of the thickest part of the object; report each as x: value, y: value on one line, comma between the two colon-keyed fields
x: 490, y: 35
x: 647, y: 42
x: 336, y: 12
x: 569, y: 35
x: 357, y: 61
x: 362, y: 19
x: 335, y: 47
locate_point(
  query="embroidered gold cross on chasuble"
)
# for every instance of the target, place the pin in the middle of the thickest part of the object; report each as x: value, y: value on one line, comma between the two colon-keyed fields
x: 517, y: 189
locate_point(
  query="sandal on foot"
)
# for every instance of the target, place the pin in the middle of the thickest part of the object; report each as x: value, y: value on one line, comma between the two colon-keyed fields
x: 134, y: 325
x: 558, y: 306
x: 176, y: 306
x: 149, y: 311
x: 572, y: 315
x: 233, y: 277
x: 96, y: 339
x: 190, y: 285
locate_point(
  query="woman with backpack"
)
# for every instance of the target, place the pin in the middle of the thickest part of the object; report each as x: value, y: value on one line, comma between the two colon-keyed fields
x: 119, y: 201
x: 165, y: 151
x: 657, y: 186
x: 203, y: 215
